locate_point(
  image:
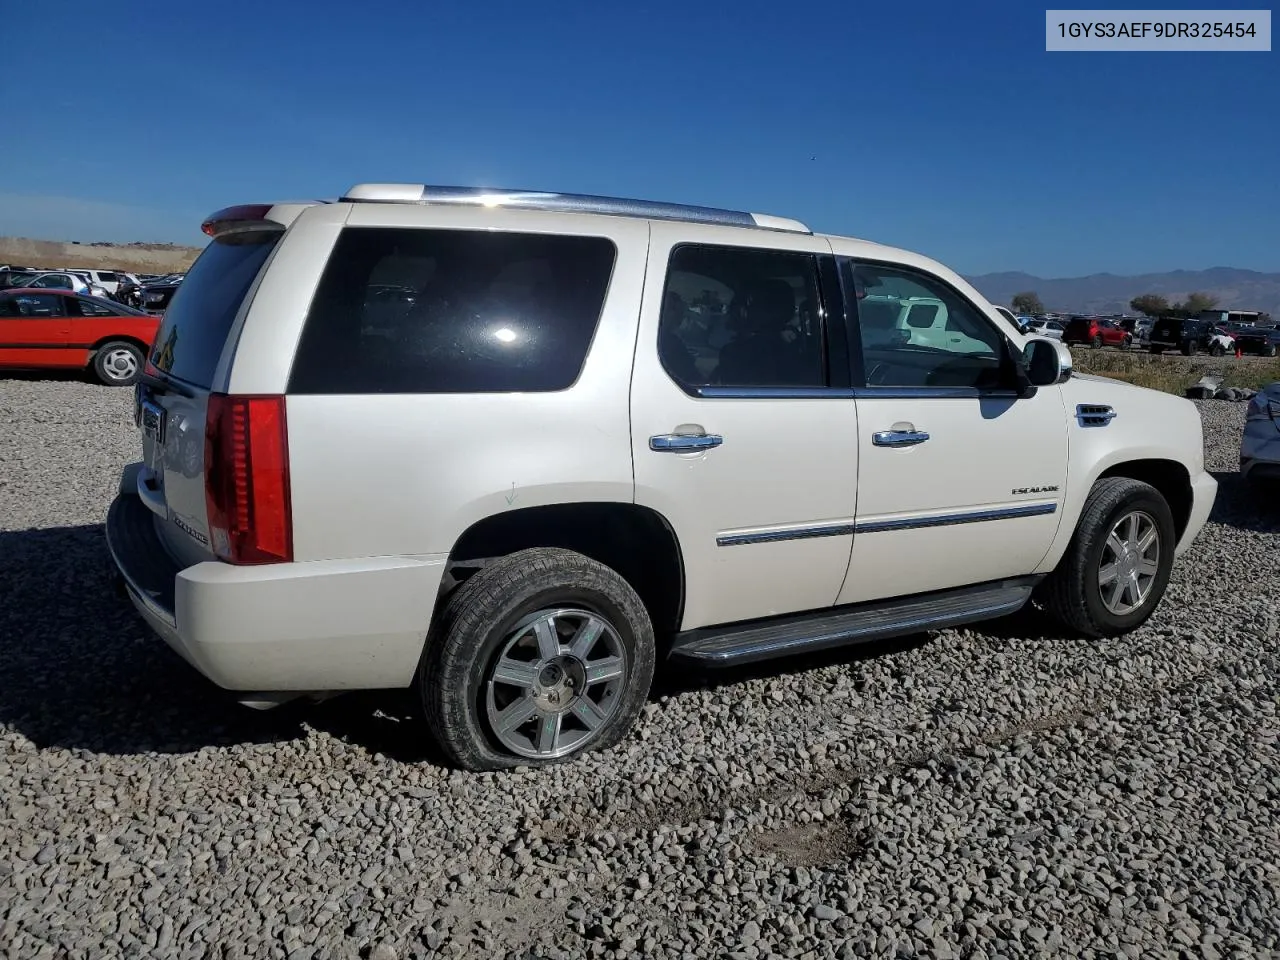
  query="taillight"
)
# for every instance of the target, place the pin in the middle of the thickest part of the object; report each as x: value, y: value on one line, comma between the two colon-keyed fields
x: 246, y: 457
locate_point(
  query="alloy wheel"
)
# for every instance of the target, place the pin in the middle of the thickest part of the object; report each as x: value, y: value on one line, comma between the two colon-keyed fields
x: 555, y: 683
x: 1130, y: 561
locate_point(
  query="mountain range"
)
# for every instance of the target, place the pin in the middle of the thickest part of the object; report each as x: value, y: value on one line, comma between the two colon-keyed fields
x: 1104, y: 293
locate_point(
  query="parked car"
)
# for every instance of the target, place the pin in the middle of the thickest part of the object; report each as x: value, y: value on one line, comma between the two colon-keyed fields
x: 1264, y: 341
x: 517, y: 489
x: 1044, y: 328
x: 17, y: 278
x: 59, y: 329
x: 108, y: 280
x: 1096, y: 332
x: 64, y: 280
x: 156, y: 296
x: 1142, y: 329
x: 1260, y: 443
x: 1188, y: 336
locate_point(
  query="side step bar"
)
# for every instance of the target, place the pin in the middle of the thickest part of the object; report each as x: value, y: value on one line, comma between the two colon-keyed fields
x: 755, y: 640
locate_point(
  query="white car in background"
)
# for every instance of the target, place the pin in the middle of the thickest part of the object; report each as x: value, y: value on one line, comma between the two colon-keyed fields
x: 66, y: 280
x: 1043, y: 328
x: 108, y: 280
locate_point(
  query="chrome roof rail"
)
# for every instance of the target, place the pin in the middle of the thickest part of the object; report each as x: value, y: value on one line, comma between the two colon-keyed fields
x: 566, y: 203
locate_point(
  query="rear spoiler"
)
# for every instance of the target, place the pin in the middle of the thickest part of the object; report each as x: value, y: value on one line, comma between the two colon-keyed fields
x: 254, y: 216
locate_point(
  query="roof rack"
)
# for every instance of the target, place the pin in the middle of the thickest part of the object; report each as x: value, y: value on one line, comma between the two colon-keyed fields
x: 566, y: 203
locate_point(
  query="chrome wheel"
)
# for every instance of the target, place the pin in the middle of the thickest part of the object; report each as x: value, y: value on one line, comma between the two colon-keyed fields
x: 1130, y: 559
x: 556, y: 682
x: 120, y: 364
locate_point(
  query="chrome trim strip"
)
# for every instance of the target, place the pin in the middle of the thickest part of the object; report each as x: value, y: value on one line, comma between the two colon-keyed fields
x: 952, y: 519
x: 842, y: 529
x: 856, y: 393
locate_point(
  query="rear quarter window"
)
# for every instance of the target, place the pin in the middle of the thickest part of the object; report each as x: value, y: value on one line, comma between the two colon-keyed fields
x: 452, y: 311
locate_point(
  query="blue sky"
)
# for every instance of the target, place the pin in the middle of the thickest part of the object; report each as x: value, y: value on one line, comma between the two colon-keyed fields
x: 945, y: 128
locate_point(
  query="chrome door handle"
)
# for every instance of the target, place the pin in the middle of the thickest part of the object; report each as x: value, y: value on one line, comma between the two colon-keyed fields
x: 684, y: 442
x: 898, y: 438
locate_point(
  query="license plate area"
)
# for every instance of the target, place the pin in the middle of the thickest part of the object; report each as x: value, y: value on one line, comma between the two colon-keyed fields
x: 153, y: 422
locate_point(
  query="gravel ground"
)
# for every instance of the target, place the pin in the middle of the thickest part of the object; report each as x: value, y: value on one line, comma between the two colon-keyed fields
x: 1000, y: 791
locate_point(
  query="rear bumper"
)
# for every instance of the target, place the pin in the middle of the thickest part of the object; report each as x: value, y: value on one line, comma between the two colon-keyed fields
x: 1204, y: 490
x: 311, y: 626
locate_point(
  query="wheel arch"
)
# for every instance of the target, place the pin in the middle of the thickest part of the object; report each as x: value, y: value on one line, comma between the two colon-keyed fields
x: 635, y: 541
x: 117, y: 338
x: 1169, y: 477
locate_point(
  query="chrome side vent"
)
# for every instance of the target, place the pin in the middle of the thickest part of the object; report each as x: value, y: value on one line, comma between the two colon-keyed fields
x: 1094, y: 414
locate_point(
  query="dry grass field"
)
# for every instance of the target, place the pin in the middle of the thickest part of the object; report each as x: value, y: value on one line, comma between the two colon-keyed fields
x: 1173, y: 373
x: 135, y: 257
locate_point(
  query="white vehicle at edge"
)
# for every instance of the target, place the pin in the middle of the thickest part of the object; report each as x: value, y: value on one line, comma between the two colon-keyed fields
x: 508, y: 449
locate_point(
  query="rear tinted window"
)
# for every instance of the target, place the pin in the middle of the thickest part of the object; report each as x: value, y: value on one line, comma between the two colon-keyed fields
x: 199, y: 317
x: 452, y: 311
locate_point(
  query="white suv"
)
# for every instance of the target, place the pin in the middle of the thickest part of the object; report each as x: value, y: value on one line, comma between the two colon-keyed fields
x: 512, y: 448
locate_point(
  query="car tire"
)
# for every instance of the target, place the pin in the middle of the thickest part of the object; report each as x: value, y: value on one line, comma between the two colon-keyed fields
x: 506, y: 639
x: 1097, y: 342
x: 1128, y: 341
x: 118, y: 363
x: 1189, y: 349
x: 1075, y: 593
x: 1269, y: 350
x: 1217, y: 350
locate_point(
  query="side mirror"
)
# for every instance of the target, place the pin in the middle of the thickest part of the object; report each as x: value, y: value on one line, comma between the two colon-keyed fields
x: 1046, y: 362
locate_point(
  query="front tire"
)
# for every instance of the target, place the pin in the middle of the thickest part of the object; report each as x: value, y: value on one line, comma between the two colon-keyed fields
x: 1117, y: 566
x: 118, y: 363
x: 1217, y: 350
x: 1097, y: 342
x: 540, y: 656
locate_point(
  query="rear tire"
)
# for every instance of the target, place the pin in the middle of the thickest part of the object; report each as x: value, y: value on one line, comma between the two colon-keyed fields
x: 514, y: 641
x: 1074, y: 592
x: 1097, y: 342
x: 118, y: 363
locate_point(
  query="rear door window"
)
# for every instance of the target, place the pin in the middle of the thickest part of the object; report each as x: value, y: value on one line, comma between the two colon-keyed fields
x: 198, y: 319
x: 452, y: 311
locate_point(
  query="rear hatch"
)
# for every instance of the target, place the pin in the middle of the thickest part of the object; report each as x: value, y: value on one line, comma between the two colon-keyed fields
x: 1080, y: 329
x: 173, y: 397
x: 1167, y: 330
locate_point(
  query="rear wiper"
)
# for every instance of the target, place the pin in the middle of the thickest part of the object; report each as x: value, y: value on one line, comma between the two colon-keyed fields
x: 165, y: 384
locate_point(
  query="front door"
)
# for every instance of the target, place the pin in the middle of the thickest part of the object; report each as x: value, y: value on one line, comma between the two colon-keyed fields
x: 34, y: 331
x: 960, y: 480
x: 743, y: 429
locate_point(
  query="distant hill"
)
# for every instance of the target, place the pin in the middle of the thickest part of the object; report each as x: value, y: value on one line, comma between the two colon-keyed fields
x: 1109, y: 293
x: 134, y: 257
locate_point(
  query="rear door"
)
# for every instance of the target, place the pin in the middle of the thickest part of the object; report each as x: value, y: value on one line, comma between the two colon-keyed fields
x: 744, y: 432
x: 181, y: 372
x: 33, y: 331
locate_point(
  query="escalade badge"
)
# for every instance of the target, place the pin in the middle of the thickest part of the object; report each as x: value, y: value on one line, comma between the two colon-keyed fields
x: 1021, y: 490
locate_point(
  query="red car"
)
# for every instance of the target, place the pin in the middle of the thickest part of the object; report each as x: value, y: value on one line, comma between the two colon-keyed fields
x: 1096, y: 332
x: 62, y: 329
